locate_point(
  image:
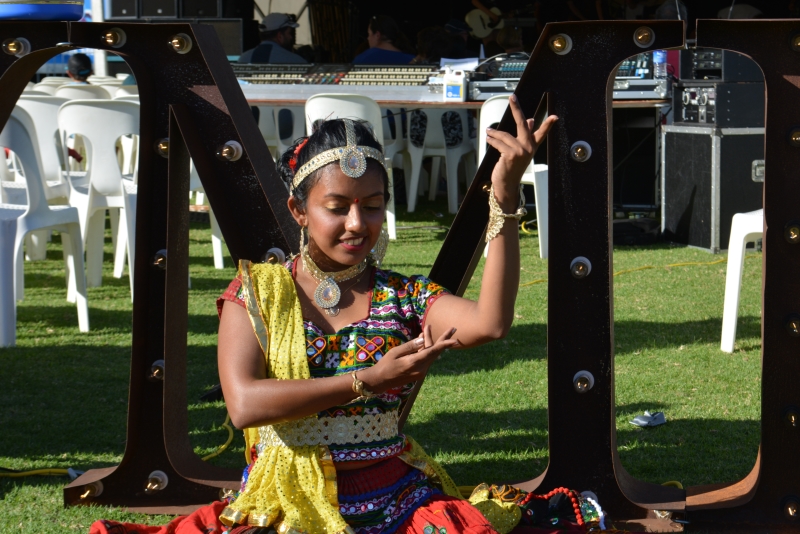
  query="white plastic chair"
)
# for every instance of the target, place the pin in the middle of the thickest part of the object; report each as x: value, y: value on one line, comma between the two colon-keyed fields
x: 492, y: 112
x: 77, y: 91
x: 43, y: 111
x: 299, y: 127
x: 97, y: 79
x: 745, y: 228
x: 393, y: 145
x: 56, y: 80
x: 343, y: 106
x: 101, y: 123
x: 436, y: 146
x: 34, y: 92
x: 18, y: 220
x: 195, y: 186
x: 126, y: 90
x: 266, y: 125
x: 47, y: 88
x: 128, y: 98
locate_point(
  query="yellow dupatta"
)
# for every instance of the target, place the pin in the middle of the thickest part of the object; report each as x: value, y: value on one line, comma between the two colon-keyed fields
x: 294, y: 486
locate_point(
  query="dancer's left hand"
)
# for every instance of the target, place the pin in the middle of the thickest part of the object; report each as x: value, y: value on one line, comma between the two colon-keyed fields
x: 517, y: 151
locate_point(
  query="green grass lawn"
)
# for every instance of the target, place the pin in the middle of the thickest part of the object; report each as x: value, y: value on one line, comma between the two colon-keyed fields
x: 482, y: 412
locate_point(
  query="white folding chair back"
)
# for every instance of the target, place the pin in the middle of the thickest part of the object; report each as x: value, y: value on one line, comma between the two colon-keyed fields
x: 126, y: 90
x: 435, y: 145
x: 16, y: 221
x: 745, y: 228
x: 47, y: 88
x: 492, y: 112
x: 77, y: 91
x: 101, y: 123
x: 359, y: 107
x: 34, y: 92
x: 128, y: 98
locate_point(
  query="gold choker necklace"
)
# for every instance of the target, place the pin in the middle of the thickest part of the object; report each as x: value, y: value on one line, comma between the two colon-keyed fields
x: 327, y: 294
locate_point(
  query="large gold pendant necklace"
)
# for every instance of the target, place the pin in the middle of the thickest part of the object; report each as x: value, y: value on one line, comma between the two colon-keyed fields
x: 327, y: 294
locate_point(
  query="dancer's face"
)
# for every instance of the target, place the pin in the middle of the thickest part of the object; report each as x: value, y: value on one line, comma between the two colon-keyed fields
x: 343, y: 215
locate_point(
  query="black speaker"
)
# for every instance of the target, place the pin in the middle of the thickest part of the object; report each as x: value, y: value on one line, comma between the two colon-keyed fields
x: 635, y: 145
x: 707, y: 177
x: 122, y: 9
x: 238, y: 9
x: 229, y: 32
x: 195, y: 9
x: 158, y: 9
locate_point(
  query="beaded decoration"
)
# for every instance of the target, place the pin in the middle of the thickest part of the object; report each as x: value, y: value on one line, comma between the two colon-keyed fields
x: 352, y: 158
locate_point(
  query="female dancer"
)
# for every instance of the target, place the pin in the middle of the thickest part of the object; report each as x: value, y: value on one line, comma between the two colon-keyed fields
x: 338, y: 343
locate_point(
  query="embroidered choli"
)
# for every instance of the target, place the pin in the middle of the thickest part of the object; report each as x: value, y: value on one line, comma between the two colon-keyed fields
x: 363, y: 430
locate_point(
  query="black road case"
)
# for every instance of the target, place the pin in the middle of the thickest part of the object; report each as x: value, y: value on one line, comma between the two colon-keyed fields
x: 706, y: 178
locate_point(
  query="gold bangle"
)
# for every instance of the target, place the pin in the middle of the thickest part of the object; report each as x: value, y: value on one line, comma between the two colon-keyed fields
x: 359, y: 389
x: 496, y: 216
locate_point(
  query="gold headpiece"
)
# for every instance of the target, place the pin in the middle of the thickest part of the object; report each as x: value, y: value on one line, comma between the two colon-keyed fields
x: 352, y: 158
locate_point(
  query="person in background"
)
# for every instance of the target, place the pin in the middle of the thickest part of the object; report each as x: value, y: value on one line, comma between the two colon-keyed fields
x: 79, y: 68
x: 510, y: 38
x: 433, y: 43
x: 387, y: 44
x: 461, y: 47
x: 278, y: 34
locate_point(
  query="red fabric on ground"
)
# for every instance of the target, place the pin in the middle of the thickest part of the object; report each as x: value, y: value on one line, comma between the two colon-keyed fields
x: 455, y: 515
x: 204, y: 520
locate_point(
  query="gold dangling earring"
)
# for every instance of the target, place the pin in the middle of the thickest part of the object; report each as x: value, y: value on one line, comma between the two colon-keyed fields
x: 379, y: 250
x: 302, y: 238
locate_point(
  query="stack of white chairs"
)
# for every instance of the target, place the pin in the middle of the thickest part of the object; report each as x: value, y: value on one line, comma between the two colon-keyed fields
x: 357, y: 107
x: 101, y: 123
x: 435, y: 145
x: 17, y: 220
x: 492, y: 112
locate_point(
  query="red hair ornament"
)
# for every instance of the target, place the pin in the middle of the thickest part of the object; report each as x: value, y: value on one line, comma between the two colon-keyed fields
x: 293, y: 160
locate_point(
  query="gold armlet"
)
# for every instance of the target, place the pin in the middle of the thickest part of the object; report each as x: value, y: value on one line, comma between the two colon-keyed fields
x: 496, y: 216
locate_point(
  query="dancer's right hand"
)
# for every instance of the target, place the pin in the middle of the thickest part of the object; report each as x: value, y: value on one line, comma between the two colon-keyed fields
x: 407, y: 362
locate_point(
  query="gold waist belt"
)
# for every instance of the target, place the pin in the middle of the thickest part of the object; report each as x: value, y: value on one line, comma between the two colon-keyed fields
x: 331, y: 430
